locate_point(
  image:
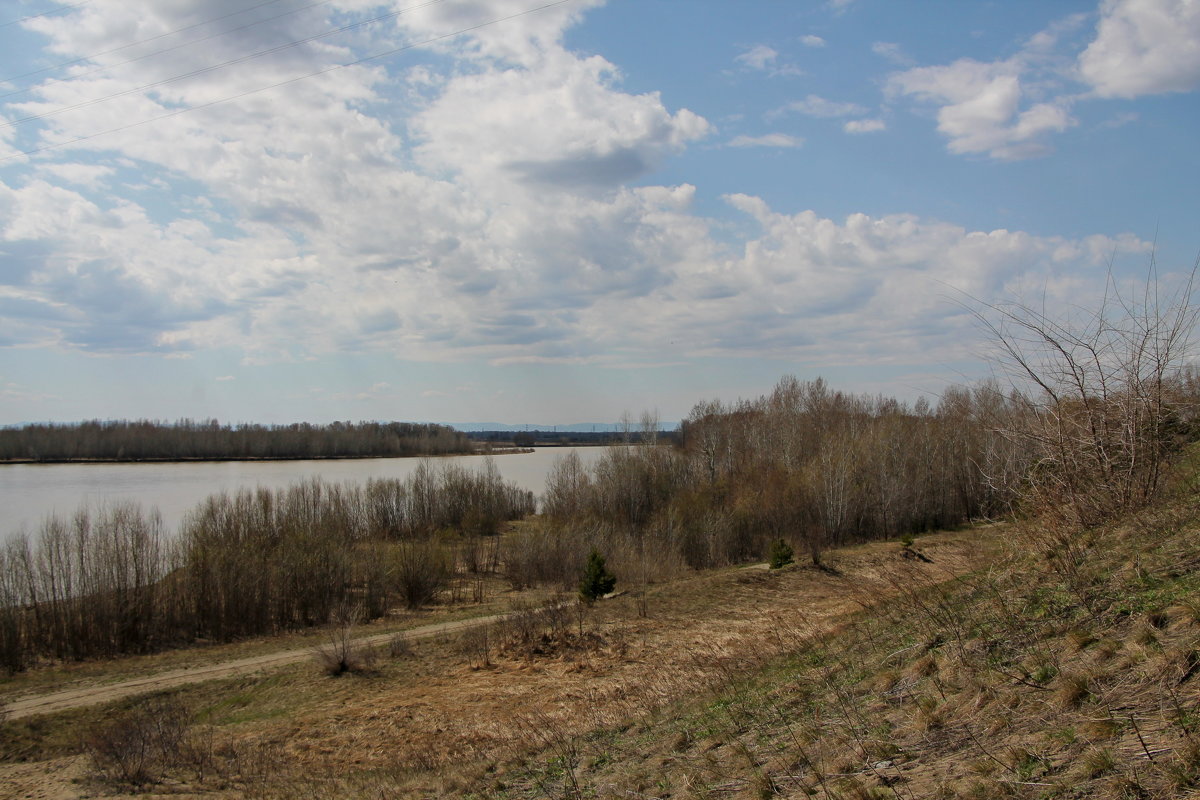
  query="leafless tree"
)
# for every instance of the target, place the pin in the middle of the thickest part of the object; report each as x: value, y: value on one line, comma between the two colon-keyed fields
x: 1104, y: 391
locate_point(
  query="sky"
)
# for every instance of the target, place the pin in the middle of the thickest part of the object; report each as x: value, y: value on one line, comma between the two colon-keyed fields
x: 527, y: 211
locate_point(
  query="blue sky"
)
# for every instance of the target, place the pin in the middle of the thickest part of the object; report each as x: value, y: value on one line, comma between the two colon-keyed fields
x: 552, y: 213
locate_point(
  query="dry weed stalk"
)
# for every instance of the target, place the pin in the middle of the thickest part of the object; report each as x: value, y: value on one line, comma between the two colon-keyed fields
x: 341, y: 653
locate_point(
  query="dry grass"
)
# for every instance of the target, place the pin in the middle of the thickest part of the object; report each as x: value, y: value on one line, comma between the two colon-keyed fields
x: 497, y: 597
x: 440, y: 710
x: 1016, y: 680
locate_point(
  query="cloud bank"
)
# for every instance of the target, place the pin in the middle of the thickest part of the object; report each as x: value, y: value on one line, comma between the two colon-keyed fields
x: 491, y: 200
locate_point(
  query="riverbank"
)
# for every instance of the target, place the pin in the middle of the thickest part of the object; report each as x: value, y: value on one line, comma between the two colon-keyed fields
x: 31, y: 492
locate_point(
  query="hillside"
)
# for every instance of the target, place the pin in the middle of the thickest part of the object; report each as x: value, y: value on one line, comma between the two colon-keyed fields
x: 1066, y: 670
x: 449, y: 715
x: 1014, y: 662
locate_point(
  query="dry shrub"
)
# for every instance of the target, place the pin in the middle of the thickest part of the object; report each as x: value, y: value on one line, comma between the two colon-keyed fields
x: 544, y: 554
x: 1099, y: 729
x: 531, y: 630
x: 1073, y: 689
x: 1107, y: 391
x: 1184, y: 613
x: 400, y: 646
x: 341, y: 653
x: 476, y: 644
x: 1125, y: 787
x: 1183, y: 770
x: 420, y: 568
x: 136, y: 747
x: 1081, y: 639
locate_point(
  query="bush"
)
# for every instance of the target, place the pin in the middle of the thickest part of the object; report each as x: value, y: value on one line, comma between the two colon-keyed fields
x: 342, y: 654
x: 136, y: 747
x: 421, y: 568
x: 780, y: 554
x: 597, y: 580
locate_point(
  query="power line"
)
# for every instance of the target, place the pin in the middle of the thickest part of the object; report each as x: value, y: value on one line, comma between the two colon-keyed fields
x: 49, y: 13
x: 152, y: 39
x: 297, y: 79
x: 214, y: 67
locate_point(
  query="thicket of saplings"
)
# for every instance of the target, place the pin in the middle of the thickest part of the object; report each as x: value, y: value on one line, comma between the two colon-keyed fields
x: 814, y: 467
x: 817, y: 468
x: 112, y: 581
x: 187, y: 439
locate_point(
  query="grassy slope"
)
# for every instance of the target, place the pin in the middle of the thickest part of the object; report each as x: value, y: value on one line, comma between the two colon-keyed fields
x: 1068, y: 667
x: 440, y: 720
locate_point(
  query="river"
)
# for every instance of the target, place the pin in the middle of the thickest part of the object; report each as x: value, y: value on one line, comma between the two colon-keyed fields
x: 31, y: 492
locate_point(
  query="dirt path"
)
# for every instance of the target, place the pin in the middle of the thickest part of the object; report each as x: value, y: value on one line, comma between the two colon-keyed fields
x: 94, y: 695
x: 82, y: 696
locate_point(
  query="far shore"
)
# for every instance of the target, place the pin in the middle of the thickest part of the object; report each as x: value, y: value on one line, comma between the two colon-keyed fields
x: 495, y: 451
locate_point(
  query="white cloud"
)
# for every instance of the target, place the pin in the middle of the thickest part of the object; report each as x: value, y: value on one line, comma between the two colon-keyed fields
x: 835, y: 291
x: 767, y: 140
x: 562, y: 123
x: 1144, y: 47
x: 892, y: 52
x: 90, y: 176
x: 479, y: 208
x: 758, y: 57
x: 864, y: 126
x: 980, y: 107
x: 766, y: 59
x: 1009, y: 108
x: 812, y: 40
x: 521, y: 39
x: 817, y: 106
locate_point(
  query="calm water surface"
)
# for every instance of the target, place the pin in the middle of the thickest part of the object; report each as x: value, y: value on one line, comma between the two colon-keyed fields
x: 31, y: 492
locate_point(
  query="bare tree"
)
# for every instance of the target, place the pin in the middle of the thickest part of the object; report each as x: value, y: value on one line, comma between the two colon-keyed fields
x: 1103, y: 390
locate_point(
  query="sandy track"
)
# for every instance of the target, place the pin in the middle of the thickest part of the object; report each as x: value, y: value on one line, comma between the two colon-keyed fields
x: 52, y: 702
x: 82, y: 696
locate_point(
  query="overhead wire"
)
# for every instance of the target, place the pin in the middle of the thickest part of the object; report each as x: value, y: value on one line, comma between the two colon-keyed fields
x: 297, y: 79
x: 179, y: 46
x: 212, y: 68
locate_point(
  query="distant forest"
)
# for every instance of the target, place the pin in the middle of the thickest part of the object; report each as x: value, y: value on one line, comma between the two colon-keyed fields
x: 552, y: 438
x: 187, y: 439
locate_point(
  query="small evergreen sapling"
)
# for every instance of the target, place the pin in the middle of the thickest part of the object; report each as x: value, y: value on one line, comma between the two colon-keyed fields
x: 597, y: 580
x: 780, y: 554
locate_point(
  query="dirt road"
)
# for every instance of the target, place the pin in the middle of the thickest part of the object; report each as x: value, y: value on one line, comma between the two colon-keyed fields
x: 95, y: 695
x: 81, y: 696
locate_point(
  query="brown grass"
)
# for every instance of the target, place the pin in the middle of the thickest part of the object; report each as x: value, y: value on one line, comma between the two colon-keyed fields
x: 441, y: 710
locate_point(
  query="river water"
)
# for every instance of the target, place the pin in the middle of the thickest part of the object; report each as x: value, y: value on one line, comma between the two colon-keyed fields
x: 31, y: 492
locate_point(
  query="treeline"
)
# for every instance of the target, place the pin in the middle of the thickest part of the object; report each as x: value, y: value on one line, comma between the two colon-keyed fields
x: 819, y: 468
x: 541, y: 438
x: 189, y: 439
x: 110, y: 581
x: 815, y: 467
